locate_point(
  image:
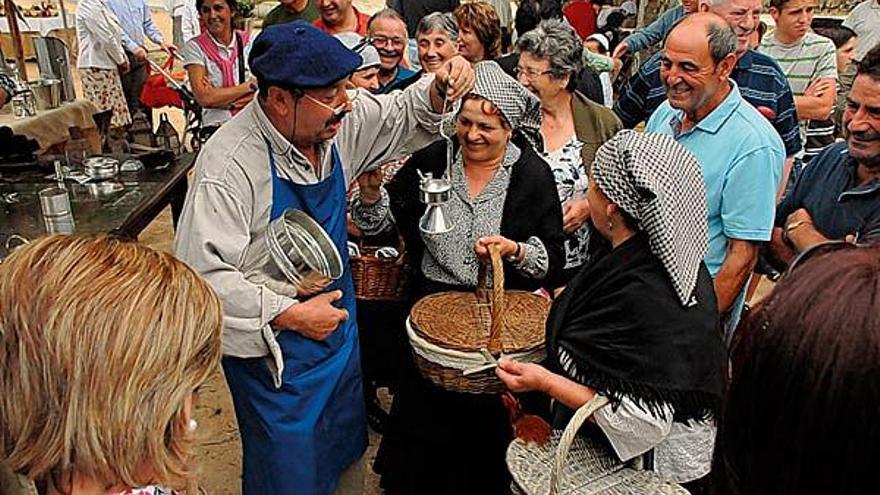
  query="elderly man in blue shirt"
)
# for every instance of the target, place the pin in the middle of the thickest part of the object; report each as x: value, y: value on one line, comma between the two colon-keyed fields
x: 741, y: 155
x: 137, y: 25
x: 759, y: 78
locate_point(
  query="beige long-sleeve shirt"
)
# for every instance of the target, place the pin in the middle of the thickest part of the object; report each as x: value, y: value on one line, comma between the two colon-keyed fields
x: 230, y: 198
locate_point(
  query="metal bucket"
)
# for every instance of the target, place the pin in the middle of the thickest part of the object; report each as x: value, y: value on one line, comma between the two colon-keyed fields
x: 47, y: 93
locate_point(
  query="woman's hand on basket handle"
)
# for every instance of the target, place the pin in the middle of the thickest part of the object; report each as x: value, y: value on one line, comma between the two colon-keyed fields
x: 314, y: 318
x: 523, y: 377
x: 507, y: 247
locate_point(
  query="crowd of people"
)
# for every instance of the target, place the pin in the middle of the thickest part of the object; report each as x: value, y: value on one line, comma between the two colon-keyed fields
x: 647, y: 216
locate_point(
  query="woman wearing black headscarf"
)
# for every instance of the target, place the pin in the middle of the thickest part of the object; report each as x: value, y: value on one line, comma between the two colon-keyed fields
x: 638, y: 324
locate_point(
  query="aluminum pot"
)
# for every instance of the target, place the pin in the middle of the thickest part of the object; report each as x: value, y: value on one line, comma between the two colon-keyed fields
x: 303, y: 252
x: 292, y: 256
x: 47, y: 93
x: 101, y: 167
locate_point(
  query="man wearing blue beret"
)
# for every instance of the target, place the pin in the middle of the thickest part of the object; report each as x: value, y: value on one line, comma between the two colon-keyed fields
x: 292, y: 364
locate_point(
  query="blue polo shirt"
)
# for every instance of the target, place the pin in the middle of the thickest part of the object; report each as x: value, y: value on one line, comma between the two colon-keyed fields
x: 741, y: 157
x: 761, y: 82
x: 402, y: 75
x: 828, y: 189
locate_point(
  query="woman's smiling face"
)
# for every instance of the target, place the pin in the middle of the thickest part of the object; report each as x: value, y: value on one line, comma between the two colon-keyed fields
x: 482, y: 131
x: 217, y: 16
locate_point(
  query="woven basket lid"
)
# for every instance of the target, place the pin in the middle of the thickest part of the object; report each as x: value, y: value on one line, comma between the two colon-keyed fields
x: 463, y: 321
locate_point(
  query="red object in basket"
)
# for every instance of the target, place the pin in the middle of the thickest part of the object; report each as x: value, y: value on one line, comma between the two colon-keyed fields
x: 157, y: 92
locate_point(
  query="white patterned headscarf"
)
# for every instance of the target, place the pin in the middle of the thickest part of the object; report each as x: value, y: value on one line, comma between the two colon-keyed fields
x: 519, y: 106
x: 660, y: 184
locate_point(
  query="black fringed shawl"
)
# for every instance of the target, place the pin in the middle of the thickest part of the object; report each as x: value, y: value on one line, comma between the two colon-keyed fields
x: 624, y: 333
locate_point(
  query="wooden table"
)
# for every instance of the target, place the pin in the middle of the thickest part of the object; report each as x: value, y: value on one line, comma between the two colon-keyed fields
x: 124, y: 213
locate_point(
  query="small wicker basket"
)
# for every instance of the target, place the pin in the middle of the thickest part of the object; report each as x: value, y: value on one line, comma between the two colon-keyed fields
x: 380, y: 279
x: 572, y: 465
x: 457, y: 336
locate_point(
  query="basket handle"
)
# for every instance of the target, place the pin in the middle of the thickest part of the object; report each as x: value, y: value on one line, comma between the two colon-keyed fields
x: 495, y: 296
x: 568, y: 436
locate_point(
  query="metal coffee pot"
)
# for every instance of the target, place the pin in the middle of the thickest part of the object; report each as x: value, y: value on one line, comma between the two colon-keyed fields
x: 435, y: 194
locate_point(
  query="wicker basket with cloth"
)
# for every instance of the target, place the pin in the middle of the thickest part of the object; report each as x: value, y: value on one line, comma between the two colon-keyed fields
x: 569, y: 464
x: 457, y: 337
x: 380, y: 278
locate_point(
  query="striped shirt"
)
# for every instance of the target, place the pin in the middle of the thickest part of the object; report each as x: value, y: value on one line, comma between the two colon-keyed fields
x: 804, y: 62
x: 760, y: 81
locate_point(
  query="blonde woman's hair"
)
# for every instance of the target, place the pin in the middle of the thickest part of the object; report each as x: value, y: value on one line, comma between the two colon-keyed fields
x: 101, y: 342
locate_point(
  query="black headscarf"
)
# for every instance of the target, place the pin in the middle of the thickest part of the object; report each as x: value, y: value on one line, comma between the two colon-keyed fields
x: 620, y: 329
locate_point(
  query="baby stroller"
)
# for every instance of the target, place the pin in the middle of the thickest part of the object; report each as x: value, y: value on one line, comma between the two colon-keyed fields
x: 163, y: 89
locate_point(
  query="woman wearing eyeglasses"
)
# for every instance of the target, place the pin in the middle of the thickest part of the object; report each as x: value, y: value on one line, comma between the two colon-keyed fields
x: 572, y: 126
x: 440, y: 442
x: 216, y: 63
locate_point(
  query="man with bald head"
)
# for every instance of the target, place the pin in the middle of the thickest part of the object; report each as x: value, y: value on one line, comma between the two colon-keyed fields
x: 742, y: 157
x: 761, y: 82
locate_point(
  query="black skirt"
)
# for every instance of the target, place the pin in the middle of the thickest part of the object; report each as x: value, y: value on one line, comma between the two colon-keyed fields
x: 440, y: 442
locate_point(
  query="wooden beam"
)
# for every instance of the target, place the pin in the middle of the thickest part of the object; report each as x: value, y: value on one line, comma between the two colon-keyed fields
x: 63, y: 16
x: 15, y: 34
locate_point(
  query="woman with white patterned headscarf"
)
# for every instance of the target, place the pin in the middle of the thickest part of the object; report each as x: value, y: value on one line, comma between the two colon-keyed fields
x: 639, y: 324
x: 502, y: 193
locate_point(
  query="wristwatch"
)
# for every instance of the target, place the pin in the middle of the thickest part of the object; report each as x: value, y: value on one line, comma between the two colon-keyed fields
x: 515, y: 256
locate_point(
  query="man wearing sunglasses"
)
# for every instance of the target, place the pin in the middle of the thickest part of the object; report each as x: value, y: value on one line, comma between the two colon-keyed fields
x: 838, y: 195
x: 292, y: 364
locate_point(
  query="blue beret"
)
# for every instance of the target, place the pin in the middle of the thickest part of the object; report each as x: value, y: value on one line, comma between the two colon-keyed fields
x: 299, y: 55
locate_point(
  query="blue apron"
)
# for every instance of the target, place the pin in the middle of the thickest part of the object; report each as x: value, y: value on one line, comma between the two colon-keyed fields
x: 299, y: 438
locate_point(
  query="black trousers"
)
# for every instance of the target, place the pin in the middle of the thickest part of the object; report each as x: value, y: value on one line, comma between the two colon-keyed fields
x: 133, y: 85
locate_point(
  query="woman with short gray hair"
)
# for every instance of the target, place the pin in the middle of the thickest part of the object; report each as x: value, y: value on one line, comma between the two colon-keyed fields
x: 437, y: 39
x: 573, y: 127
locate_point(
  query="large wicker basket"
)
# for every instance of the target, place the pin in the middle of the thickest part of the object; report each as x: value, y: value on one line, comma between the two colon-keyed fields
x: 457, y: 336
x: 380, y: 279
x: 572, y: 465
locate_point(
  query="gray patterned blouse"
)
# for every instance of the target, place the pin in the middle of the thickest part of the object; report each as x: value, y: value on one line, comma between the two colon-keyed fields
x: 449, y: 257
